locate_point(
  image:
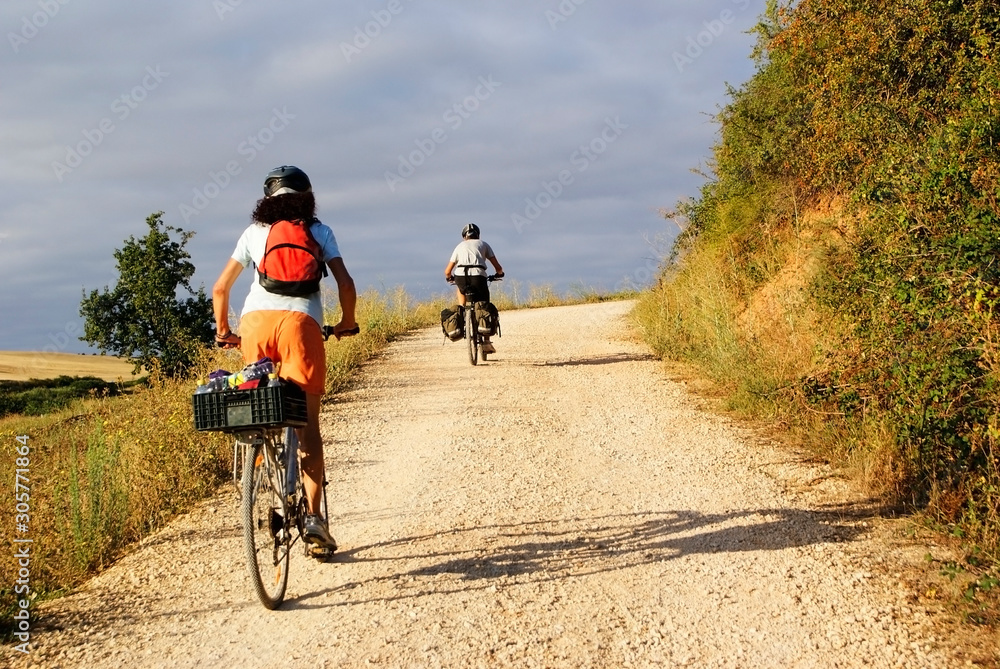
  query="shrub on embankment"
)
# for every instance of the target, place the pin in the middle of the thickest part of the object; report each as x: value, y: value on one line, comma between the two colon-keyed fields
x: 841, y: 273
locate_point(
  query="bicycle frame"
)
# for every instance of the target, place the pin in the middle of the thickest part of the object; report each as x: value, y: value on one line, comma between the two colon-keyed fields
x: 291, y: 463
x: 254, y: 436
x: 275, y: 458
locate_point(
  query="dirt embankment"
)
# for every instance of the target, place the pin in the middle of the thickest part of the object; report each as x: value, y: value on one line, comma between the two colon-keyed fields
x: 565, y: 505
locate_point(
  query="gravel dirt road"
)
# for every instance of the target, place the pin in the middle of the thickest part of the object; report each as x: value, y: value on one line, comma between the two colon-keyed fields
x: 566, y: 505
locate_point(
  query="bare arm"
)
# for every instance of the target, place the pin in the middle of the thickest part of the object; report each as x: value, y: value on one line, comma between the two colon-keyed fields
x: 220, y: 303
x: 347, y: 293
x: 496, y: 264
x: 449, y: 269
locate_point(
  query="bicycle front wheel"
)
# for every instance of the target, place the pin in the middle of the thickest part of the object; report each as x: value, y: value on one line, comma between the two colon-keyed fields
x: 266, y: 534
x: 471, y: 334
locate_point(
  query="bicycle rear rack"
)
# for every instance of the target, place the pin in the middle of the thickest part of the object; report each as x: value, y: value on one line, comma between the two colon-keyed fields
x: 244, y: 440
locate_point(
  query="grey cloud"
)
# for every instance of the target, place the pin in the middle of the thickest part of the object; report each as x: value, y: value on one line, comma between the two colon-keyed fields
x: 352, y: 122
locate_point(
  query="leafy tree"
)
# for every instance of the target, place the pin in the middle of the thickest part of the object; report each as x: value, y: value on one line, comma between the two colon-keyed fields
x: 142, y: 317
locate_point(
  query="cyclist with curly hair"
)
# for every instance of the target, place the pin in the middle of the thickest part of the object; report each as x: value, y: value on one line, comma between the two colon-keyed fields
x: 288, y: 328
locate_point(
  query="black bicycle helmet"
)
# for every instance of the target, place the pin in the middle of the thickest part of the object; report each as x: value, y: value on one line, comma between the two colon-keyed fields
x: 470, y: 231
x: 286, y: 179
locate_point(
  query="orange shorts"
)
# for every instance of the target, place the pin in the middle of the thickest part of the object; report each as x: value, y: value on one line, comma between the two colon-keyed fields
x: 291, y: 337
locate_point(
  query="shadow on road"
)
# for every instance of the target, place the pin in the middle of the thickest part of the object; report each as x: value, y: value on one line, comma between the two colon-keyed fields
x: 477, y: 557
x: 598, y: 360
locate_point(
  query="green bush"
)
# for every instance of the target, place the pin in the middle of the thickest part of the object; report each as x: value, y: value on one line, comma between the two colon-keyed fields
x: 890, y: 107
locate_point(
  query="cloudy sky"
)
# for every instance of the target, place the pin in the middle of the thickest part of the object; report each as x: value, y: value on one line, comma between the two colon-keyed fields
x: 561, y: 127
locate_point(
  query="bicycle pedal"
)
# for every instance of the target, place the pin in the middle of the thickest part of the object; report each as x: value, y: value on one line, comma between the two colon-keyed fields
x: 320, y: 553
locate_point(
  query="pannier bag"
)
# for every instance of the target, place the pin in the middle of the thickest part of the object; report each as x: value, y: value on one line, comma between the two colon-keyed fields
x: 488, y: 317
x: 292, y: 264
x: 453, y: 322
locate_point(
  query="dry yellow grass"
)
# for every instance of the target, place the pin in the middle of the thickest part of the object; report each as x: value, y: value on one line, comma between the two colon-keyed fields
x: 24, y: 365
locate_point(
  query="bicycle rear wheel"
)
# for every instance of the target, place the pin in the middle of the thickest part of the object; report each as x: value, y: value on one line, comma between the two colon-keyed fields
x: 266, y: 535
x: 471, y: 334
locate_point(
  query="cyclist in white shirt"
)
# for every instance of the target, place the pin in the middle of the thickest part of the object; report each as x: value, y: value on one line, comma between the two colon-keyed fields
x: 467, y: 267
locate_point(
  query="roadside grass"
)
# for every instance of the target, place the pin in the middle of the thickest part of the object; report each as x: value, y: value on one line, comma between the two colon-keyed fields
x: 106, y: 470
x: 755, y: 332
x: 750, y: 326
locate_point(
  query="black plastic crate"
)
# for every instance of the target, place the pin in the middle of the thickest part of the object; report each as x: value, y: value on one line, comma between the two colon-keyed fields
x: 231, y: 410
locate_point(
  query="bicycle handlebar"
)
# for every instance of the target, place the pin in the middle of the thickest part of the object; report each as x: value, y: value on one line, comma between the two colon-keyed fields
x: 328, y: 330
x: 228, y: 344
x: 491, y: 278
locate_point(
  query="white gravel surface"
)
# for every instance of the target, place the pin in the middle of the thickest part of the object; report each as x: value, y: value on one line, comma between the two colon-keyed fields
x: 564, y: 505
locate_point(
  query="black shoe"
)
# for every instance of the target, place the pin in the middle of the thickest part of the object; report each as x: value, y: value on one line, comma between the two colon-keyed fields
x: 314, y: 531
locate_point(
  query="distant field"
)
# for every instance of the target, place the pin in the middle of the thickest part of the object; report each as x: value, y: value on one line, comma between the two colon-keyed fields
x: 24, y: 365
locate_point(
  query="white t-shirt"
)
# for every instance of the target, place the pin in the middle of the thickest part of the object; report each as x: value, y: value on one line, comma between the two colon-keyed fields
x: 471, y: 252
x: 250, y: 250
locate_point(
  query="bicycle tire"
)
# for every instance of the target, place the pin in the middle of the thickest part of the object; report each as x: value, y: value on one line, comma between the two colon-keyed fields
x: 266, y: 535
x: 472, y: 334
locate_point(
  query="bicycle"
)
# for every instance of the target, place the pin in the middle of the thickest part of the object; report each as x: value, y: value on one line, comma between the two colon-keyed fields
x: 266, y: 465
x: 272, y: 509
x: 472, y: 335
